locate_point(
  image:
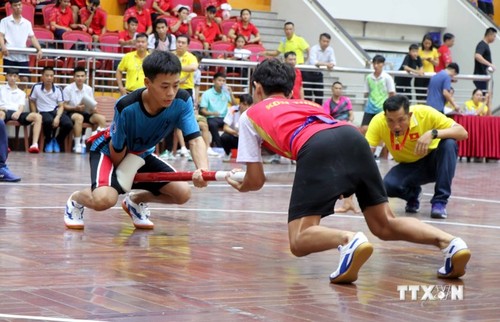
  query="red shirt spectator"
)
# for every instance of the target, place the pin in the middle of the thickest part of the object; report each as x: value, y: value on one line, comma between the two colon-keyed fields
x: 183, y: 28
x: 143, y: 16
x: 98, y: 22
x: 164, y: 5
x: 210, y: 30
x: 63, y: 17
x: 125, y: 36
x: 444, y: 58
x: 247, y: 32
x: 79, y: 3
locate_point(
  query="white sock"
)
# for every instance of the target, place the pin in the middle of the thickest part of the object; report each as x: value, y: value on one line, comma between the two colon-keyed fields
x: 77, y: 140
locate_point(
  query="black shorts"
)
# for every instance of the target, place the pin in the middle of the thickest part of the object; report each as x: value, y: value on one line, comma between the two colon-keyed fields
x: 367, y: 117
x: 86, y: 116
x: 22, y: 117
x: 21, y: 66
x: 486, y: 7
x: 332, y: 163
x: 103, y: 174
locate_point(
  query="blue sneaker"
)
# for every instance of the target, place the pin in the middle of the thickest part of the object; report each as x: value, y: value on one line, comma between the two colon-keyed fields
x: 438, y: 211
x: 7, y: 176
x: 49, y: 147
x: 456, y: 257
x: 352, y: 257
x: 56, y: 146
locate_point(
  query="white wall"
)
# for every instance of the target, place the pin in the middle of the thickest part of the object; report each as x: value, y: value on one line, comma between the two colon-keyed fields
x: 432, y: 13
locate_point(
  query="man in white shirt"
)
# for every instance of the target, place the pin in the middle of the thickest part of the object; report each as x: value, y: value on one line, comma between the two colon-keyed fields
x: 231, y: 127
x: 12, y: 104
x: 320, y: 55
x: 47, y: 99
x: 14, y: 32
x: 75, y: 96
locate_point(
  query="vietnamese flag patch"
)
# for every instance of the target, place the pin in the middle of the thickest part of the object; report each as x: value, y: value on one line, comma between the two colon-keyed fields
x: 414, y: 136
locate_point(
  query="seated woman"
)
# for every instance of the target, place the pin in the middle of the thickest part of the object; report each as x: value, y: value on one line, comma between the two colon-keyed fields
x: 245, y: 28
x: 478, y: 104
x: 181, y: 25
x: 61, y: 19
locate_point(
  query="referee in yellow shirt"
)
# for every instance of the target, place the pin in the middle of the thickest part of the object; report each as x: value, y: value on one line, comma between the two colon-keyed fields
x: 131, y: 63
x: 423, y: 142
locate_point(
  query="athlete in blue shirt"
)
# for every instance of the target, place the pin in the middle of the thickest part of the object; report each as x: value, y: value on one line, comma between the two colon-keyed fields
x: 142, y: 119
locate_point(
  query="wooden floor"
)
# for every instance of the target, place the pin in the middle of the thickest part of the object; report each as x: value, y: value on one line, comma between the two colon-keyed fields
x: 224, y: 256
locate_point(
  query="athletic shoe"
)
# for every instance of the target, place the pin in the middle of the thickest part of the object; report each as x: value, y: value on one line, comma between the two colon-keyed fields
x: 352, y: 257
x: 34, y: 149
x: 7, y: 176
x: 138, y: 212
x: 49, y: 147
x: 226, y: 158
x: 184, y: 152
x: 56, y: 146
x: 77, y: 148
x: 438, y: 211
x: 212, y: 153
x: 456, y: 256
x: 413, y: 205
x: 73, y: 216
x: 167, y: 155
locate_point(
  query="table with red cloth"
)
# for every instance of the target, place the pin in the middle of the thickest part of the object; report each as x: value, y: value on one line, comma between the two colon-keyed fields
x: 484, y: 136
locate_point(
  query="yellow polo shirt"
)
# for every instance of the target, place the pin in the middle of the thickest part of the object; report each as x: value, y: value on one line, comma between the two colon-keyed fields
x: 424, y: 118
x: 187, y: 59
x: 296, y: 44
x: 131, y: 63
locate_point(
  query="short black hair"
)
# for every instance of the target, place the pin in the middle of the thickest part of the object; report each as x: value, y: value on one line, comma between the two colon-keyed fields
x: 274, y: 76
x: 337, y: 83
x: 489, y: 31
x: 454, y: 66
x: 211, y: 9
x: 396, y: 102
x: 141, y: 35
x: 448, y: 36
x: 14, y: 1
x: 95, y: 2
x: 290, y: 53
x: 161, y: 62
x: 288, y: 23
x: 378, y: 59
x: 413, y: 47
x: 79, y: 69
x: 326, y: 35
x: 132, y: 19
x: 219, y: 74
x: 46, y: 68
x: 10, y: 71
x: 184, y: 36
x: 245, y: 9
x: 246, y: 99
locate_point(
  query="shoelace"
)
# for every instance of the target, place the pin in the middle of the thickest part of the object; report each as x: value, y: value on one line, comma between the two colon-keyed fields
x: 143, y: 211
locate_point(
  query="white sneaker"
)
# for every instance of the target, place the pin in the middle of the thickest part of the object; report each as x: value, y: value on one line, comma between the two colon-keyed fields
x: 226, y: 158
x: 456, y: 256
x: 352, y: 257
x: 77, y: 148
x: 73, y: 216
x: 212, y: 153
x: 184, y: 152
x: 138, y: 212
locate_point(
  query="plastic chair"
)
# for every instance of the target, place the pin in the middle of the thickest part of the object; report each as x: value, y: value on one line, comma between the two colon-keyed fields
x: 46, y: 10
x: 109, y: 44
x: 28, y: 11
x: 256, y: 49
x: 226, y: 26
x: 106, y: 107
x: 220, y: 48
x: 72, y: 38
x: 195, y: 44
x: 189, y: 3
x: 17, y: 126
x: 196, y: 21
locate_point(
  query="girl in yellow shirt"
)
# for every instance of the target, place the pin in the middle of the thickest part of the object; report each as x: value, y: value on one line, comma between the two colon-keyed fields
x: 478, y: 105
x: 430, y: 58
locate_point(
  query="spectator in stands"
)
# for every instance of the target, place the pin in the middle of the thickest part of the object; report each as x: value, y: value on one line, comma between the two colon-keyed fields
x: 61, y: 19
x: 181, y: 25
x: 47, y: 99
x: 189, y: 63
x: 291, y: 42
x: 12, y: 105
x: 209, y: 30
x: 161, y: 38
x: 486, y: 6
x: 298, y: 88
x: 378, y: 87
x: 127, y: 37
x: 438, y: 92
x: 339, y: 106
x: 5, y: 174
x: 94, y: 18
x: 245, y: 28
x: 430, y: 58
x: 478, y: 104
x: 75, y: 8
x: 321, y: 54
x: 160, y: 8
x: 231, y: 126
x: 423, y: 142
x: 15, y: 30
x: 217, y: 4
x: 445, y: 52
x: 143, y: 16
x: 75, y: 95
x: 131, y: 63
x: 412, y: 64
x: 214, y: 105
x: 482, y: 58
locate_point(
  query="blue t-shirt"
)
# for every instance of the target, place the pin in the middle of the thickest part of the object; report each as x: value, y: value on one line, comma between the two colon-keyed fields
x: 138, y: 131
x: 437, y: 84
